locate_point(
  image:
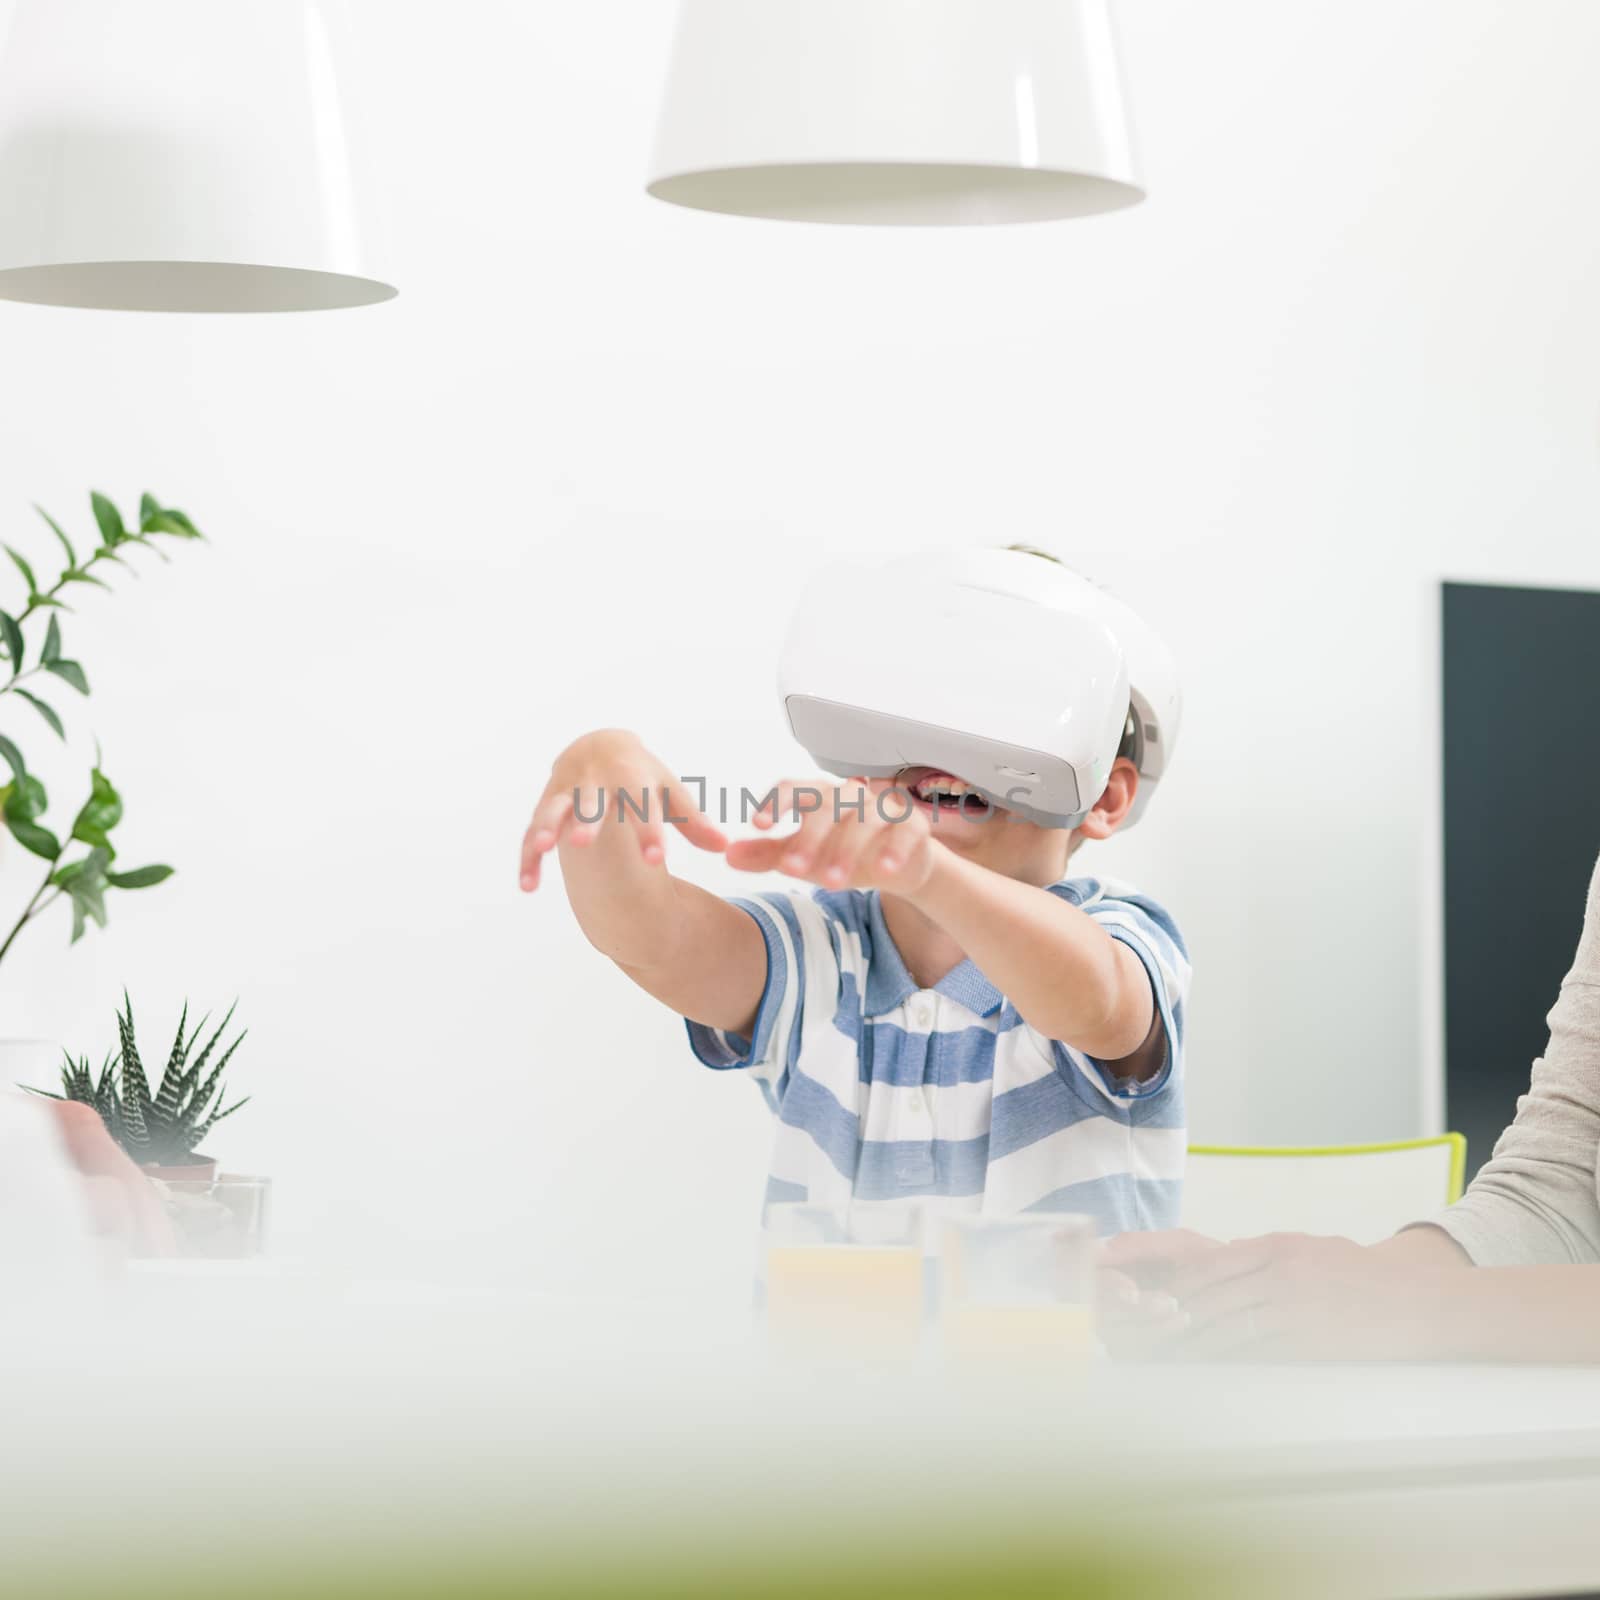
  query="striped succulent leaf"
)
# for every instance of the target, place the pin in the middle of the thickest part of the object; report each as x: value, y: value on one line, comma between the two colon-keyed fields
x: 217, y: 1117
x: 135, y: 1086
x: 75, y: 1080
x: 166, y: 1106
x: 134, y: 1134
x: 105, y: 1090
x: 198, y: 1064
x: 203, y: 1096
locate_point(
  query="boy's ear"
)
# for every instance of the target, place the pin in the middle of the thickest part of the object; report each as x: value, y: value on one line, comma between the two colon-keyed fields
x: 1111, y: 809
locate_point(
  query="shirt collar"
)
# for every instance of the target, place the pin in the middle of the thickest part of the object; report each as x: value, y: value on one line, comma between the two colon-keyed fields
x: 889, y: 984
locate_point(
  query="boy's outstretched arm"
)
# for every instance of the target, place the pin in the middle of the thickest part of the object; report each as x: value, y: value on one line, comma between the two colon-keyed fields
x: 1067, y: 977
x: 690, y: 949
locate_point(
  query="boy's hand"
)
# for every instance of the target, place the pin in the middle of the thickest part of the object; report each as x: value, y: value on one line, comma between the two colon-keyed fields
x: 857, y: 835
x: 588, y: 777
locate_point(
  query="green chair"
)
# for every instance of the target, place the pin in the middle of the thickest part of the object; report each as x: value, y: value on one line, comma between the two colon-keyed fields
x: 1365, y: 1192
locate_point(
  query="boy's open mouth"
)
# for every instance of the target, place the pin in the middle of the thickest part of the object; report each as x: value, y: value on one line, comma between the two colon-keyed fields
x: 944, y: 792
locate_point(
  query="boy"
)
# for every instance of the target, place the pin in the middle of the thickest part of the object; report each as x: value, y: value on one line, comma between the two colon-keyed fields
x: 946, y: 1015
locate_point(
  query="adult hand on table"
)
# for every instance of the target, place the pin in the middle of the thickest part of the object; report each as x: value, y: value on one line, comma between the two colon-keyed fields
x: 1139, y: 1315
x: 1288, y: 1296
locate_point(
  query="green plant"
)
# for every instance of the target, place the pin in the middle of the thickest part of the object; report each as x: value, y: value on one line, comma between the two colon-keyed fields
x: 84, y: 879
x: 163, y: 1129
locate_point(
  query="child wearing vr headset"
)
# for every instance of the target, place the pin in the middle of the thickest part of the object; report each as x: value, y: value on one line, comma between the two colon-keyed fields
x: 947, y: 1014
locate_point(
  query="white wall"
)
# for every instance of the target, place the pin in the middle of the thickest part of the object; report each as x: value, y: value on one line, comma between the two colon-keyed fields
x: 572, y: 475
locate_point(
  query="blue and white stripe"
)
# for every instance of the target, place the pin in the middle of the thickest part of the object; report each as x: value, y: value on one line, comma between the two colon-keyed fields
x: 885, y: 1092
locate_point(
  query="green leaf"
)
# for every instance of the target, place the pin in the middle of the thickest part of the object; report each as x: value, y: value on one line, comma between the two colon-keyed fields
x: 166, y: 1105
x: 11, y: 633
x: 46, y: 711
x: 55, y: 528
x: 25, y: 802
x: 101, y: 812
x: 109, y: 518
x: 87, y: 577
x: 40, y: 601
x: 157, y: 518
x: 85, y: 866
x: 84, y: 881
x: 51, y: 650
x: 26, y: 571
x: 26, y: 799
x: 135, y: 1085
x: 69, y: 672
x: 139, y: 878
x: 198, y: 1135
x: 13, y: 759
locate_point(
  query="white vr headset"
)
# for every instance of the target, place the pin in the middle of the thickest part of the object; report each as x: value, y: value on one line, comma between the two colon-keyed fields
x: 1000, y: 667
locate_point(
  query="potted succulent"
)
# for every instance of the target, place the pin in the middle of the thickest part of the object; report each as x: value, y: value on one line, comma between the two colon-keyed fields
x: 162, y: 1131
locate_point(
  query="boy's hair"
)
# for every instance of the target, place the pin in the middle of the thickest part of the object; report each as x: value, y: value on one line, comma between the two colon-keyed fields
x: 1129, y: 746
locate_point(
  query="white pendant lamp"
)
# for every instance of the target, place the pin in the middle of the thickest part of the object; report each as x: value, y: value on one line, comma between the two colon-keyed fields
x: 180, y: 155
x: 895, y: 111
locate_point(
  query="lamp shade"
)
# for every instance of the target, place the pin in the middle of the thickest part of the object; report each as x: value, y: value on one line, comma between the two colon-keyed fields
x: 895, y: 111
x: 180, y: 155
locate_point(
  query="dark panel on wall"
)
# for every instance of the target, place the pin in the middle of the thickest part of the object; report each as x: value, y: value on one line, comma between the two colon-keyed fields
x: 1521, y: 832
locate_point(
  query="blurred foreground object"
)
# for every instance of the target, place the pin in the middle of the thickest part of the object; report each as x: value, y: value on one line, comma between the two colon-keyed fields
x: 895, y: 111
x: 65, y: 1191
x: 513, y: 1442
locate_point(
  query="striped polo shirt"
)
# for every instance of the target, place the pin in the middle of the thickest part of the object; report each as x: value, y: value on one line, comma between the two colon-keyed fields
x: 883, y: 1091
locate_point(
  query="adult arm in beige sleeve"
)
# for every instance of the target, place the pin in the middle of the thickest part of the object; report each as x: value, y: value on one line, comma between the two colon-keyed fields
x: 1534, y: 1202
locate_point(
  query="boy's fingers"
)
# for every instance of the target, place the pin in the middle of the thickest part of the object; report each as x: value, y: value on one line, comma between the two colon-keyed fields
x: 652, y: 838
x: 681, y: 811
x: 588, y: 802
x: 889, y: 802
x: 544, y: 832
x: 856, y: 831
x: 791, y: 800
x: 806, y: 843
x: 756, y: 855
x: 886, y: 855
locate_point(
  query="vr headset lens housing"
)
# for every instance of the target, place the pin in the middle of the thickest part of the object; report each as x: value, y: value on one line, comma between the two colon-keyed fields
x: 1009, y: 672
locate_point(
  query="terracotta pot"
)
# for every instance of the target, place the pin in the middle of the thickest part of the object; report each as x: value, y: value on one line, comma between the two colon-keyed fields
x: 197, y: 1169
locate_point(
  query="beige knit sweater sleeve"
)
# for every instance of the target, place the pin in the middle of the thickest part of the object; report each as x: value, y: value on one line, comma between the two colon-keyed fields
x: 1535, y: 1201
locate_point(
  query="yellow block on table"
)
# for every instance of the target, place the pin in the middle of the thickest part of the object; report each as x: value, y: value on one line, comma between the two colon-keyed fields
x: 844, y: 1294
